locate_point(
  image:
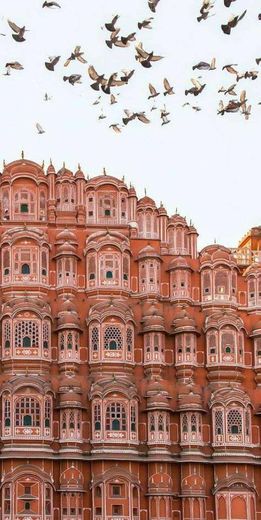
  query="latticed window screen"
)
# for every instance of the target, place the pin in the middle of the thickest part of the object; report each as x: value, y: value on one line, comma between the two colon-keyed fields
x: 46, y: 334
x: 27, y: 333
x: 152, y: 422
x: 212, y: 342
x: 97, y: 417
x: 27, y: 412
x: 234, y: 421
x: 219, y: 422
x: 129, y: 339
x: 160, y: 423
x: 193, y: 423
x: 206, y: 282
x: 221, y: 281
x: 7, y: 334
x: 47, y: 413
x: 116, y: 417
x: 185, y: 423
x: 7, y: 413
x: 95, y: 339
x: 133, y: 419
x: 227, y: 342
x: 112, y: 338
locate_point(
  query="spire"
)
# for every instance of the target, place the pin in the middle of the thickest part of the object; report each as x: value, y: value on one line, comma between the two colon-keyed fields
x: 42, y: 165
x: 51, y: 162
x: 104, y: 171
x: 145, y: 191
x: 22, y: 154
x: 3, y: 163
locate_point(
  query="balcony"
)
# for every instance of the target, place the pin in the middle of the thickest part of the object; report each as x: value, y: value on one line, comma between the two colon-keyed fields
x: 245, y: 256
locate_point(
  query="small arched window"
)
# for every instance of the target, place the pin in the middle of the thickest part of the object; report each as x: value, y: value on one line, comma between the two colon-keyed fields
x: 116, y: 418
x: 25, y: 269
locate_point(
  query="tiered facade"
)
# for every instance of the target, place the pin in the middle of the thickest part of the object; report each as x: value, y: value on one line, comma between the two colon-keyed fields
x: 130, y: 363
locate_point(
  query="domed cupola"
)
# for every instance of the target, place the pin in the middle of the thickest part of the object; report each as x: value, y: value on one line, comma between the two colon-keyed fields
x: 147, y: 218
x: 177, y: 236
x: 253, y: 278
x: 158, y: 409
x: 218, y: 269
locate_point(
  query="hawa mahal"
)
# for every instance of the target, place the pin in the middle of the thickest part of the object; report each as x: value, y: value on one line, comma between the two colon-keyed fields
x: 130, y: 362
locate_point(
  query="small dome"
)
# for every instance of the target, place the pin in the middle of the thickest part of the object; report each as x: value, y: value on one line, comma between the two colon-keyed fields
x: 66, y: 235
x: 153, y: 319
x: 50, y: 169
x: 64, y: 173
x: 146, y: 201
x: 68, y: 316
x: 177, y: 219
x: 132, y: 192
x: 148, y: 252
x: 179, y: 263
x: 184, y: 322
x: 220, y: 254
x: 162, y: 210
x: 79, y: 174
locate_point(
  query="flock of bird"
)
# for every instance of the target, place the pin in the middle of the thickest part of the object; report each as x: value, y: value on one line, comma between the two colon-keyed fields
x: 146, y: 59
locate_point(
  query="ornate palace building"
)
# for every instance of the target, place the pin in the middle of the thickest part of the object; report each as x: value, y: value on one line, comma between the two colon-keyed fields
x: 130, y: 362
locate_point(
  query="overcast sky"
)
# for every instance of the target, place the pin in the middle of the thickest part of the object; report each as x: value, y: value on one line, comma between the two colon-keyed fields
x: 206, y: 165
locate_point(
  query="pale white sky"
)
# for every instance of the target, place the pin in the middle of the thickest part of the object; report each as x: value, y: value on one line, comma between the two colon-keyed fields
x: 206, y: 165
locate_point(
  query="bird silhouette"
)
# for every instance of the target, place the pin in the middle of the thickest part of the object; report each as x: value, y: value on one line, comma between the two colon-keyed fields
x: 232, y: 22
x: 127, y: 75
x: 46, y: 97
x: 196, y: 89
x: 14, y: 65
x: 39, y: 128
x: 153, y: 4
x: 153, y: 92
x: 145, y: 24
x: 130, y: 116
x: 126, y: 39
x: 19, y: 37
x: 73, y: 78
x: 113, y: 99
x: 111, y: 25
x: 145, y: 57
x: 114, y: 39
x: 227, y: 3
x: 53, y: 60
x: 246, y: 110
x: 97, y: 101
x: 230, y: 90
x: 205, y: 10
x: 116, y: 128
x: 75, y: 55
x: 168, y: 89
x: 202, y: 65
x: 51, y: 4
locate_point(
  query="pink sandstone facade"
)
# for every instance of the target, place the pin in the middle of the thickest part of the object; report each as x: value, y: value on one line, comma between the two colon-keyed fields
x: 130, y: 362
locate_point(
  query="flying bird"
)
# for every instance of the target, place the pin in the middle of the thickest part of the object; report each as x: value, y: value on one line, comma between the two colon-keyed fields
x: 129, y: 117
x: 113, y: 99
x: 227, y: 3
x: 246, y: 110
x: 258, y: 60
x: 73, y: 78
x: 153, y: 4
x: 114, y: 39
x: 127, y: 75
x: 145, y: 24
x: 101, y: 81
x: 19, y: 37
x: 102, y: 115
x: 111, y: 25
x: 233, y: 105
x: 230, y: 90
x: 51, y: 4
x: 53, y: 60
x: 97, y: 101
x: 40, y: 129
x: 145, y: 57
x: 202, y: 65
x: 46, y: 97
x: 165, y: 120
x: 205, y: 9
x: 75, y: 55
x: 168, y: 89
x: 251, y: 74
x: 153, y: 92
x: 141, y: 116
x: 196, y: 89
x: 116, y: 128
x: 14, y: 65
x: 126, y: 39
x: 232, y: 22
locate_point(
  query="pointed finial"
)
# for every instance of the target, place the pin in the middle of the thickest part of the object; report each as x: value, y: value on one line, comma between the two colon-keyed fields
x: 145, y: 191
x: 88, y: 177
x: 104, y: 171
x: 22, y: 154
x: 63, y: 164
x: 190, y: 222
x: 123, y: 178
x: 51, y: 162
x: 79, y: 166
x: 3, y: 163
x: 215, y: 240
x: 176, y: 211
x: 42, y: 165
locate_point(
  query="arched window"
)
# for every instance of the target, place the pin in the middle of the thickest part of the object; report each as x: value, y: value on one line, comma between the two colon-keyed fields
x: 231, y: 425
x: 97, y: 417
x: 69, y: 345
x: 158, y: 427
x: 24, y: 204
x: 186, y: 348
x: 113, y: 338
x: 191, y: 429
x: 109, y: 269
x: 234, y: 422
x: 26, y: 333
x: 116, y: 419
x: 27, y: 412
x: 222, y: 282
x: 25, y: 269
